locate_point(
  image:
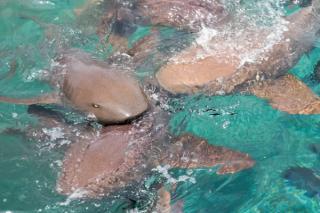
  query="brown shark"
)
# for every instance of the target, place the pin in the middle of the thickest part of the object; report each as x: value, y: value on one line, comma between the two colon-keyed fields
x: 195, y: 70
x: 224, y: 71
x: 108, y: 92
x: 123, y: 155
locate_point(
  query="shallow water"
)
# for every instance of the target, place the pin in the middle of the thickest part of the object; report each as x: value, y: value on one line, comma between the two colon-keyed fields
x: 29, y: 168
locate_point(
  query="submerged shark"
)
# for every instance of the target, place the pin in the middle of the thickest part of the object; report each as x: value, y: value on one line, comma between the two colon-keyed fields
x: 121, y: 157
x: 304, y: 179
x: 254, y: 61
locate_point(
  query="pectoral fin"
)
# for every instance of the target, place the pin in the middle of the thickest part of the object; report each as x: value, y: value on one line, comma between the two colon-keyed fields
x: 163, y: 203
x: 288, y: 94
x: 177, y: 207
x: 189, y: 152
x: 51, y: 98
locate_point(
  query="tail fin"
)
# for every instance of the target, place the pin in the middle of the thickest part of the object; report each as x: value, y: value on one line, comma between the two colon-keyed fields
x: 45, y: 99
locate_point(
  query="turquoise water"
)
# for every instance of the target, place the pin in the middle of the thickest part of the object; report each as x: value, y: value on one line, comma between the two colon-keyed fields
x: 29, y: 168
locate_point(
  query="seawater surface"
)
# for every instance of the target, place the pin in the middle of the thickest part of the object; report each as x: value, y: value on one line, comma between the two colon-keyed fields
x: 29, y: 168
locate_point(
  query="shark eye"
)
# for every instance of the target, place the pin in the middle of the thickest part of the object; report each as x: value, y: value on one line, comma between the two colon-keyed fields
x: 95, y: 106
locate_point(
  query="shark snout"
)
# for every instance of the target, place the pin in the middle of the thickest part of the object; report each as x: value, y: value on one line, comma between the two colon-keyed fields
x: 127, y: 113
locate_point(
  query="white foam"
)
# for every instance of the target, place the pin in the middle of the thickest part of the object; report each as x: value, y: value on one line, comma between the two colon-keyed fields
x: 54, y: 133
x: 248, y: 37
x: 45, y: 3
x: 205, y: 36
x: 34, y: 74
x: 225, y: 124
x: 164, y: 170
x: 79, y: 193
x: 135, y: 210
x: 91, y: 116
x: 14, y: 115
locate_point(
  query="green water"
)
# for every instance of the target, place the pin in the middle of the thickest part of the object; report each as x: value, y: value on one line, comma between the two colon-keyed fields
x: 29, y: 169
